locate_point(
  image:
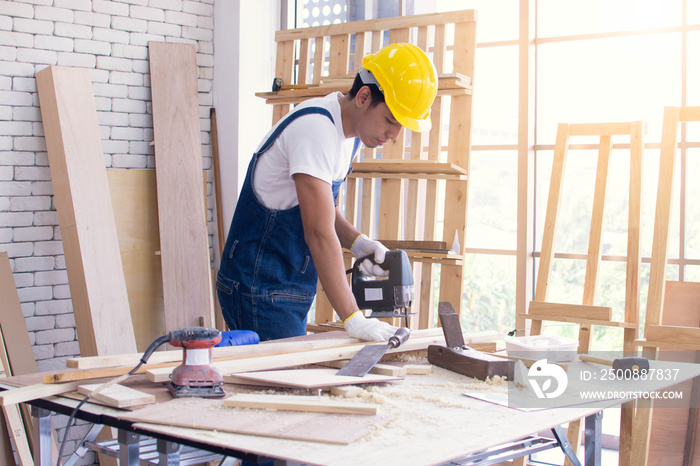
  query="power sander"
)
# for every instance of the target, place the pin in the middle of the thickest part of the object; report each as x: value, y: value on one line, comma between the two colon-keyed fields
x: 385, y: 296
x: 196, y: 376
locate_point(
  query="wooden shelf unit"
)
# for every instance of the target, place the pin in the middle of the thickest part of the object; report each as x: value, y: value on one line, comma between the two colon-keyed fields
x: 411, y: 187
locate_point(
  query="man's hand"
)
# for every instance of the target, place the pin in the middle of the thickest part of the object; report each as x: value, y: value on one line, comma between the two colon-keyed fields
x: 362, y: 247
x: 358, y: 326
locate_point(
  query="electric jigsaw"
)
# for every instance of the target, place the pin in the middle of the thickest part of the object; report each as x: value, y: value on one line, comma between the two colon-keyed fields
x: 389, y: 296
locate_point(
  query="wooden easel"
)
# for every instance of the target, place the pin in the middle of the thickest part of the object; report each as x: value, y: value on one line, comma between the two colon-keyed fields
x: 587, y: 314
x: 417, y: 169
x: 656, y: 334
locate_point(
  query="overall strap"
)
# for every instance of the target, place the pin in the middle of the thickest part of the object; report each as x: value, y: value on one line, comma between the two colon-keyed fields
x: 293, y: 116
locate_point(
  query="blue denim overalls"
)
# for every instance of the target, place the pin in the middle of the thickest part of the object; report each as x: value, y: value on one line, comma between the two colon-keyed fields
x: 267, y: 279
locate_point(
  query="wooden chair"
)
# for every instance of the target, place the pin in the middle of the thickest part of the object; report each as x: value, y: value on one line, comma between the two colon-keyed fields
x: 393, y: 192
x: 658, y: 331
x: 587, y: 314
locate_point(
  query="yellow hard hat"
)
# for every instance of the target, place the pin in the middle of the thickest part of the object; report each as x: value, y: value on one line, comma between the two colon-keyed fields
x: 408, y: 80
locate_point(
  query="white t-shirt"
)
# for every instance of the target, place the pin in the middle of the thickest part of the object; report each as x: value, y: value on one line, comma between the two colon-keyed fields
x: 312, y: 145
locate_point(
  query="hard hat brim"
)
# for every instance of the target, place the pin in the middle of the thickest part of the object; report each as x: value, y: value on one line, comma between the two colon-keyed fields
x: 415, y: 125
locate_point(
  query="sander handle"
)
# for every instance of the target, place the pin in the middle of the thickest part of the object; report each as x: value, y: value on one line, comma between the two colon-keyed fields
x: 399, y: 337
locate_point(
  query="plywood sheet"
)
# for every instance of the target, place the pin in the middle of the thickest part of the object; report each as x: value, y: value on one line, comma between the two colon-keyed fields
x: 184, y: 240
x: 136, y: 214
x: 214, y: 416
x: 306, y: 378
x: 83, y: 204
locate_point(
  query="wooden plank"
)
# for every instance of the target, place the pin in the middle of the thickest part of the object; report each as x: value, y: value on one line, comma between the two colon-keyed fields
x: 135, y: 209
x: 268, y: 362
x: 581, y: 311
x: 689, y: 114
x: 304, y: 49
x: 220, y: 352
x: 674, y: 334
x: 673, y: 431
x: 34, y: 392
x: 117, y: 395
x: 576, y: 320
x: 88, y: 231
x: 18, y: 434
x: 378, y: 25
x: 414, y: 244
x: 181, y: 205
x: 601, y: 129
x: 657, y: 269
x: 314, y: 427
x: 217, y: 181
x: 310, y: 379
x: 378, y: 369
x: 299, y: 403
x: 14, y: 328
x: 347, y: 391
x: 670, y: 345
x: 6, y: 449
x: 412, y: 167
x: 418, y: 369
x: 12, y: 415
x: 18, y: 357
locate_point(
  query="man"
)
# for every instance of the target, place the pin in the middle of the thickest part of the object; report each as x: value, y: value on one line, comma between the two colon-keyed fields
x: 287, y: 230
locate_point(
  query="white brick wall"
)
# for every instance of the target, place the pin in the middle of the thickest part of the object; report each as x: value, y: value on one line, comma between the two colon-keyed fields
x: 111, y: 39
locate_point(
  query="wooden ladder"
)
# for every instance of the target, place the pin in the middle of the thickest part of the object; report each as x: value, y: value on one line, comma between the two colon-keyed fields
x: 587, y: 314
x: 658, y: 333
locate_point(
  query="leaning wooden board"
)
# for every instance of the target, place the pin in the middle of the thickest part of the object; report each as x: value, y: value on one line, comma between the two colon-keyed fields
x: 136, y: 214
x: 81, y: 192
x: 184, y: 240
x: 212, y: 415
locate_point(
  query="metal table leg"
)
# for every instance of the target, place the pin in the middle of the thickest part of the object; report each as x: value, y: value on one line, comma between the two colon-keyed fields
x: 42, y: 436
x: 593, y: 439
x: 168, y: 452
x: 565, y: 445
x: 128, y: 448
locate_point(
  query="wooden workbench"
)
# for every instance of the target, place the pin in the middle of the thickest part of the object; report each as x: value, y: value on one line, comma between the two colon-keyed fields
x: 433, y: 423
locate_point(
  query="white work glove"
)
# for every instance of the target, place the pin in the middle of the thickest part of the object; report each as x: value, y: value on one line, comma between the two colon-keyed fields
x: 360, y: 327
x: 362, y: 247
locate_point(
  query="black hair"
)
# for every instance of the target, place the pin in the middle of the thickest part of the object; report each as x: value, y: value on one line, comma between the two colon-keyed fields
x: 377, y: 95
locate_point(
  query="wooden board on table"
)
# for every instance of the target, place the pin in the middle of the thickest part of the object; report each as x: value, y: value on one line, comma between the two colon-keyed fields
x: 81, y: 192
x: 305, y: 378
x: 213, y: 415
x: 117, y: 395
x: 184, y: 240
x: 315, y: 404
x: 136, y: 215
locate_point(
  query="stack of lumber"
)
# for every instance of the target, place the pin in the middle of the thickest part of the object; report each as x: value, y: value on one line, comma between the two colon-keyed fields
x: 332, y: 346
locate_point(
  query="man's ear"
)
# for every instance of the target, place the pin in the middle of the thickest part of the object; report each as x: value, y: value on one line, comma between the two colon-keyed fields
x: 363, y: 96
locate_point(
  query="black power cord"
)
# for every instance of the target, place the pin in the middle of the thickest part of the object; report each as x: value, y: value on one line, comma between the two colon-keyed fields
x: 147, y: 354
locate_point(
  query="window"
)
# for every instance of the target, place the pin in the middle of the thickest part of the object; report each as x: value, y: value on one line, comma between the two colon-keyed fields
x: 594, y: 61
